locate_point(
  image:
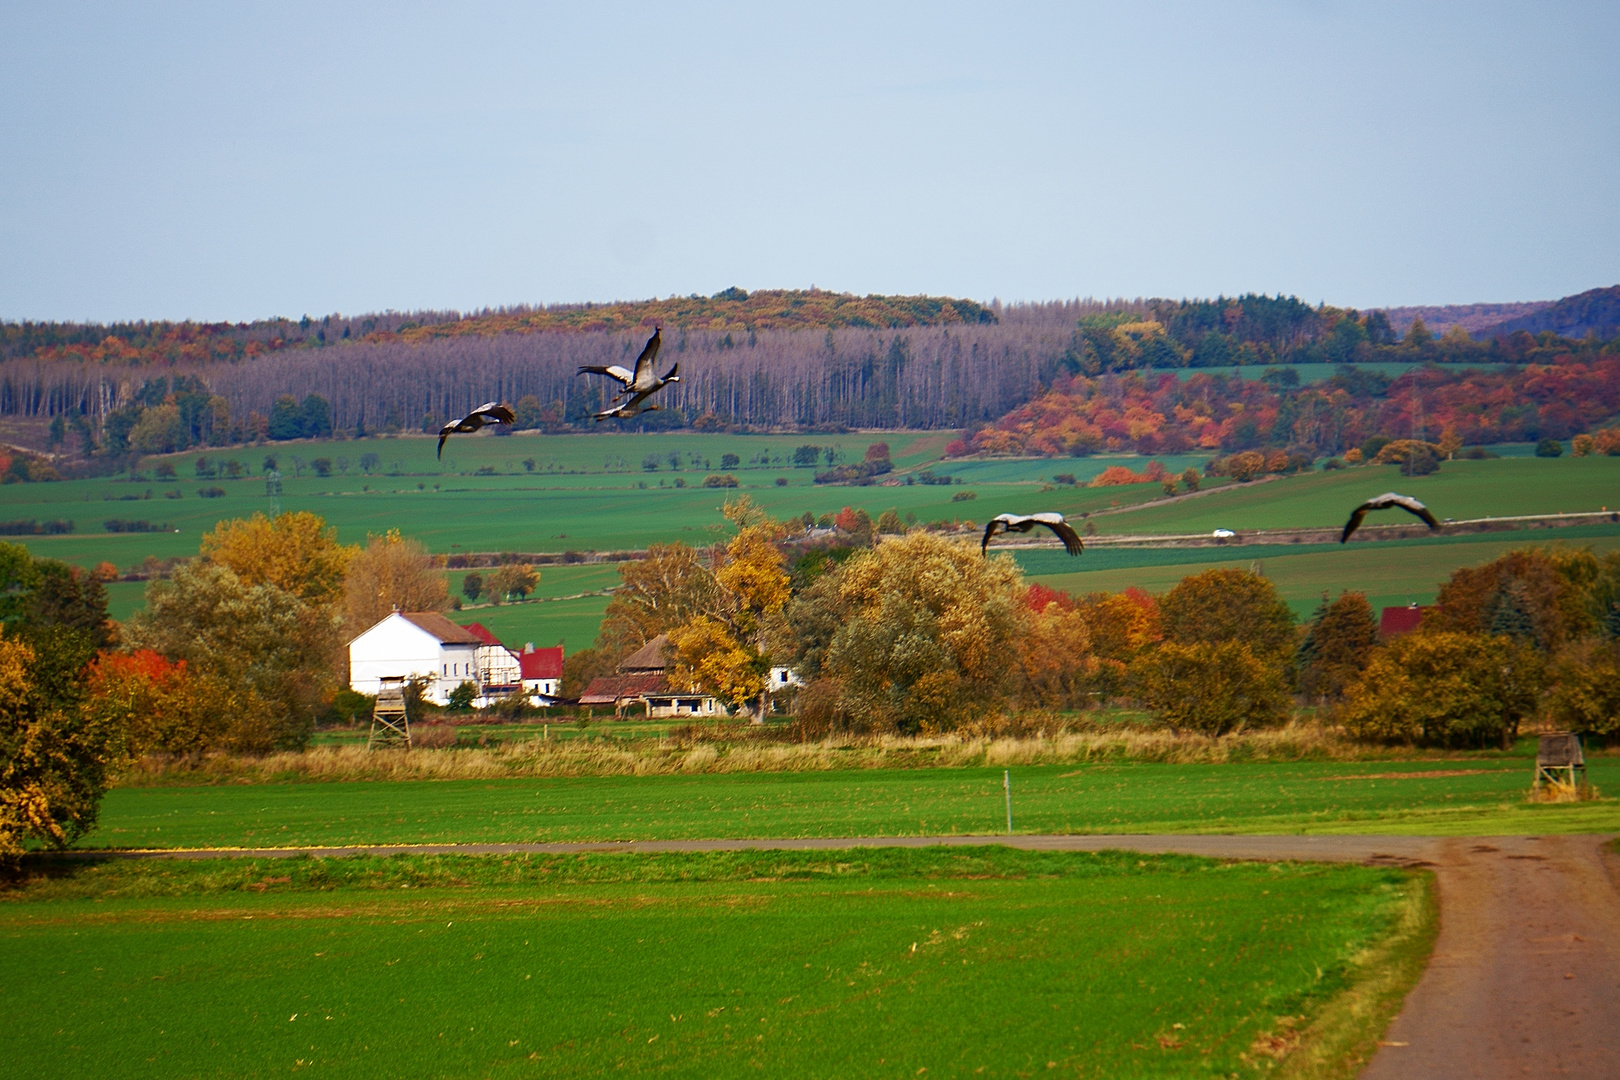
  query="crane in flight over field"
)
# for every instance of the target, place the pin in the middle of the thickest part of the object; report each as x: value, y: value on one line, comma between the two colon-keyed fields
x: 1023, y: 524
x: 1384, y: 502
x: 638, y: 385
x: 490, y: 412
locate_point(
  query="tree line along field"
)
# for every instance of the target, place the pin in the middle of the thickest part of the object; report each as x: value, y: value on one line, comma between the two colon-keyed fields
x: 1481, y: 794
x: 991, y: 963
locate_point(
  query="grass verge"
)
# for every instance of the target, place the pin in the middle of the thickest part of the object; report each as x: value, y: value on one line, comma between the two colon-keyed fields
x: 1344, y: 1035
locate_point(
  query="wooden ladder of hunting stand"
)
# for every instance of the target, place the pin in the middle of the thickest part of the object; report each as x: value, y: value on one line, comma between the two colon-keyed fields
x: 390, y: 723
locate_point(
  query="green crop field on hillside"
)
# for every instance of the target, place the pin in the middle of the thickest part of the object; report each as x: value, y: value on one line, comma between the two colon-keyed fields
x: 887, y: 962
x: 1391, y: 572
x: 586, y: 493
x: 1477, y: 795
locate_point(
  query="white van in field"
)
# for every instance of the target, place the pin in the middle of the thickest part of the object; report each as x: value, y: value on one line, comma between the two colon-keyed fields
x: 1223, y: 534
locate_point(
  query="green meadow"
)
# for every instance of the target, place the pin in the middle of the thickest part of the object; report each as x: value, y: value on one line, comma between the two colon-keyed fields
x: 886, y: 962
x: 592, y: 493
x: 1475, y: 795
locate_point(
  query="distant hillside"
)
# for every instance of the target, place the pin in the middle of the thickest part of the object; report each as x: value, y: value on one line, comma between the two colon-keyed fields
x: 732, y: 310
x: 1471, y: 317
x: 1572, y: 317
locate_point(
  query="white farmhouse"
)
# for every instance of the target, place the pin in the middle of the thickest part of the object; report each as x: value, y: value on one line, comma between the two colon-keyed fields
x: 407, y: 644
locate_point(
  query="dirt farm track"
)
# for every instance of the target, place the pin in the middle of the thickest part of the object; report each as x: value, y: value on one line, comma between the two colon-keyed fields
x: 1525, y: 976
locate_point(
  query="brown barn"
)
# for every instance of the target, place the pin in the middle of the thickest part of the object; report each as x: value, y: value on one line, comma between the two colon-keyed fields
x: 643, y: 679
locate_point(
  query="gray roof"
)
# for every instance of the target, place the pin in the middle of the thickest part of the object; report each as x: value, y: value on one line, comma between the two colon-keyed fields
x: 650, y: 657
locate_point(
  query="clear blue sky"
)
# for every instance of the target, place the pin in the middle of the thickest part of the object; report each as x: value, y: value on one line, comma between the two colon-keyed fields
x: 244, y: 160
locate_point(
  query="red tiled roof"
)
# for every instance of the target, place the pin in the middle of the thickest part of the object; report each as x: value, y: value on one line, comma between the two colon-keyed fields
x: 483, y: 633
x: 1393, y: 621
x: 440, y: 627
x: 542, y: 663
x: 609, y: 689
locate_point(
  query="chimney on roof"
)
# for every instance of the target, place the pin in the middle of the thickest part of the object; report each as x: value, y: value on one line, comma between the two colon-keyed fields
x: 528, y: 646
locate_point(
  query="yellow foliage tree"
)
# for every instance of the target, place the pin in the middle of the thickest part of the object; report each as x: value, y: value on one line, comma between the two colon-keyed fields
x: 727, y: 649
x: 391, y: 572
x: 53, y: 759
x: 1445, y: 688
x: 1055, y: 656
x: 933, y: 629
x: 1585, y: 694
x: 1210, y: 687
x: 295, y: 552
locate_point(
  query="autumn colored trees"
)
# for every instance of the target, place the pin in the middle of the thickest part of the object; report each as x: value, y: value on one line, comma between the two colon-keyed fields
x: 1530, y: 634
x: 1160, y: 412
x: 55, y: 756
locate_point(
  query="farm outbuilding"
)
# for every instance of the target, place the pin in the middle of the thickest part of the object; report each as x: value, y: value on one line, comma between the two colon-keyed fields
x: 1395, y: 621
x: 643, y: 679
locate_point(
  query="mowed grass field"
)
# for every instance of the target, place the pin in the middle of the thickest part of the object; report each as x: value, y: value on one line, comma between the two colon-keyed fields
x: 992, y: 963
x: 1482, y: 795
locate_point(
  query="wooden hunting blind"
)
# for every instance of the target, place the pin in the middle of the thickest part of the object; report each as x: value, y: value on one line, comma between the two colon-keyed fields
x: 390, y: 721
x: 1558, y: 758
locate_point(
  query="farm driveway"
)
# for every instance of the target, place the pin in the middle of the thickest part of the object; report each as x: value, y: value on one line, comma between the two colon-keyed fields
x: 1525, y: 977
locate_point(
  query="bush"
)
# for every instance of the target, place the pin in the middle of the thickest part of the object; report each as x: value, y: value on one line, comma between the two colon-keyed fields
x: 1549, y: 448
x: 1585, y: 692
x: 210, y: 492
x: 139, y: 525
x: 1210, y: 688
x: 781, y: 481
x: 1444, y: 689
x: 720, y: 481
x: 1229, y: 605
x: 964, y: 496
x: 322, y: 466
x: 30, y: 527
x: 729, y: 461
x: 461, y: 698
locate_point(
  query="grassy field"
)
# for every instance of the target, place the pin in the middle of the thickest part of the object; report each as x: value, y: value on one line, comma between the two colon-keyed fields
x: 862, y: 963
x: 1390, y: 572
x: 586, y: 493
x: 1474, y: 796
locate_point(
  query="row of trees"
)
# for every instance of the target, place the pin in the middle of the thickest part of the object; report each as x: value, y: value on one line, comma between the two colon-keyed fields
x: 921, y: 634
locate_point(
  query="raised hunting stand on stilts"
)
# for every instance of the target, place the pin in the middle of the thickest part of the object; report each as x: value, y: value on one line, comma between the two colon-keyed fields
x: 390, y: 723
x: 1558, y: 758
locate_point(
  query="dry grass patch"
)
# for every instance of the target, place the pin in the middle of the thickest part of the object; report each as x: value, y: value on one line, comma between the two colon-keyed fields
x: 718, y: 753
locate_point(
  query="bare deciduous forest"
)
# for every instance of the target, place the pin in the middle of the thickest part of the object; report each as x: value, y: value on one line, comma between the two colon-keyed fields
x: 917, y: 377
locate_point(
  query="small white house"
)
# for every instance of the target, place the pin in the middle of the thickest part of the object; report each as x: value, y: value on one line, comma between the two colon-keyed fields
x: 407, y: 644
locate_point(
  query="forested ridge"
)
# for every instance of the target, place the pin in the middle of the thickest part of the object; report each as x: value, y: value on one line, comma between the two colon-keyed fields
x: 768, y: 360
